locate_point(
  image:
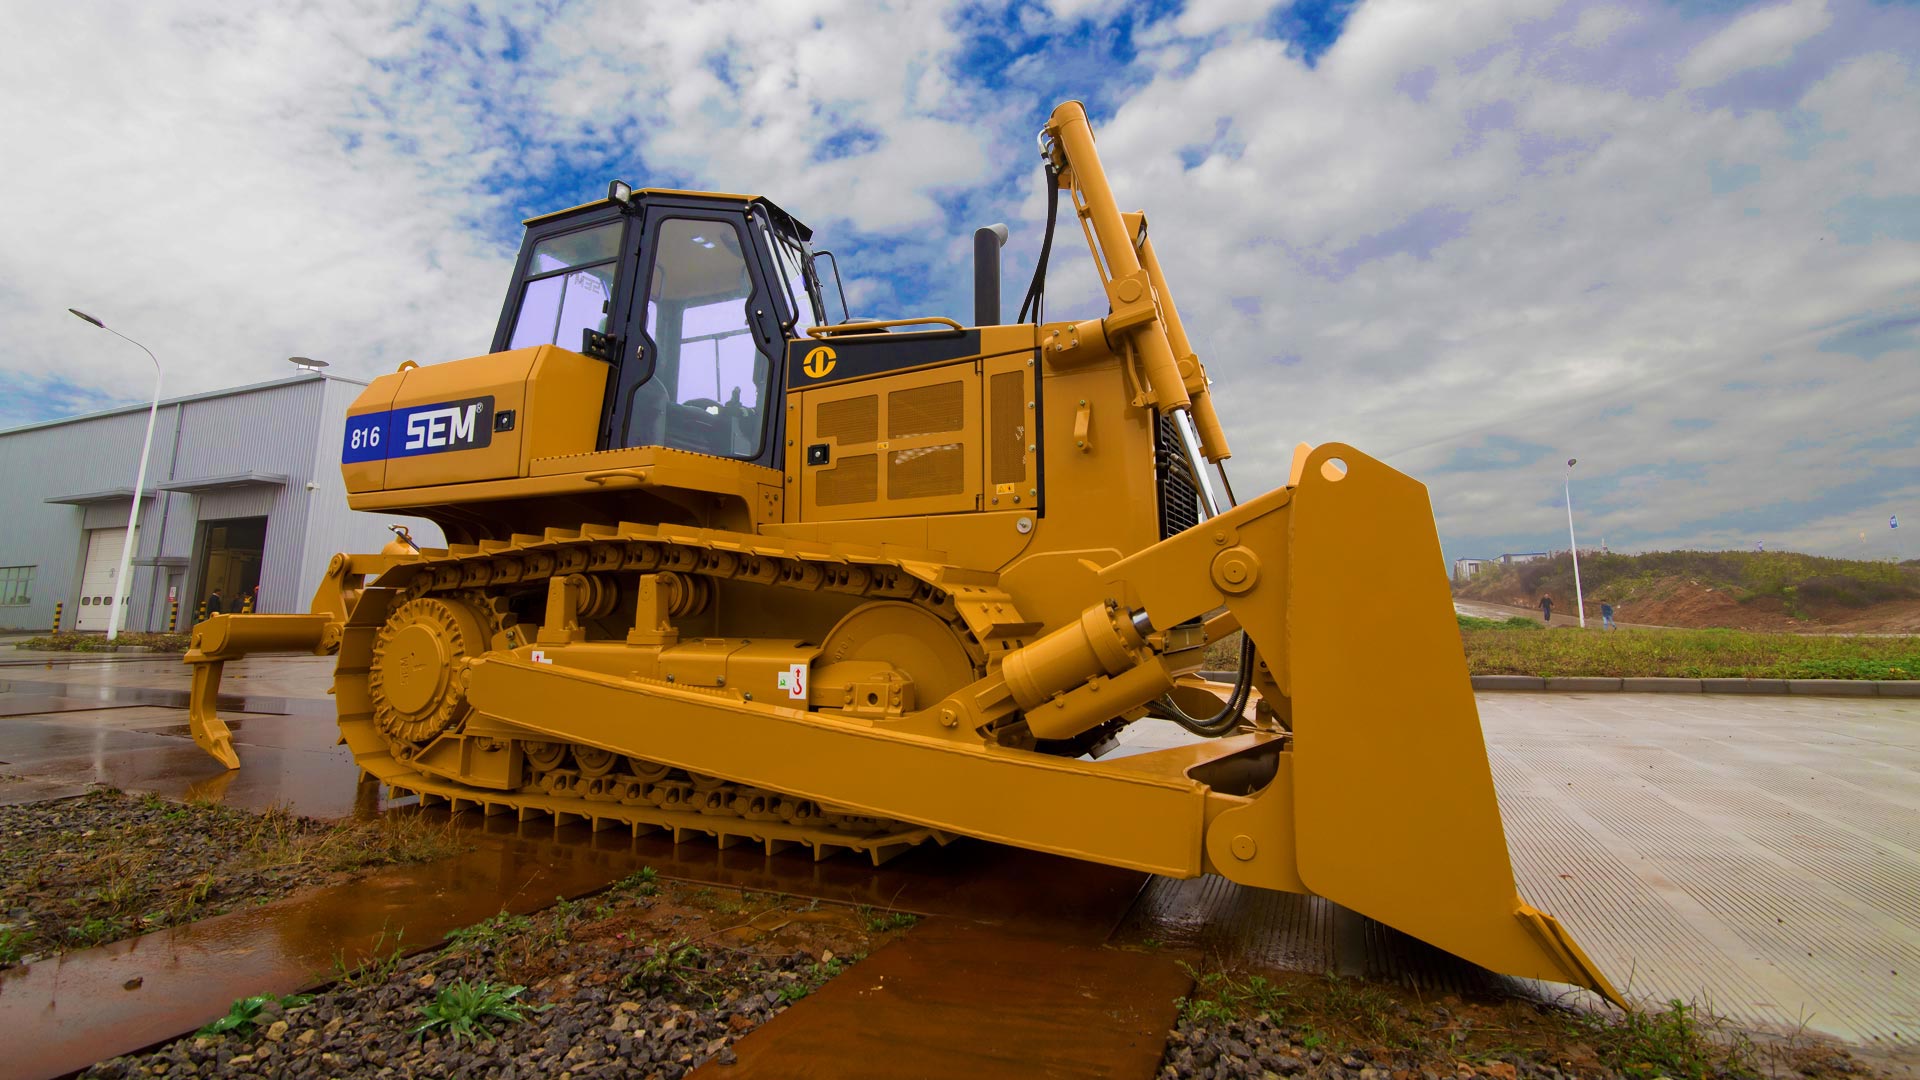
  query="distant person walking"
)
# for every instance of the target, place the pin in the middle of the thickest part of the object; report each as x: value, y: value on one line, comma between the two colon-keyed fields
x: 214, y: 606
x: 1546, y: 609
x: 1606, y: 615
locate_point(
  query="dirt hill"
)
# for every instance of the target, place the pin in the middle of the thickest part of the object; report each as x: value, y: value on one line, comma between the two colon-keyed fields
x: 1745, y: 590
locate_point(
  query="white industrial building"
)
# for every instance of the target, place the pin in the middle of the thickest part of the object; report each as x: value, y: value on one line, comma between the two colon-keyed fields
x: 243, y: 490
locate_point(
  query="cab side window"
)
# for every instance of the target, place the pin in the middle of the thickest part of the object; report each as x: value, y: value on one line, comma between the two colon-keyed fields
x: 569, y: 288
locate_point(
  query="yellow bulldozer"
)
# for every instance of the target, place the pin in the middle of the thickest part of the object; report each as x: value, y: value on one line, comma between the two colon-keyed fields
x: 718, y: 565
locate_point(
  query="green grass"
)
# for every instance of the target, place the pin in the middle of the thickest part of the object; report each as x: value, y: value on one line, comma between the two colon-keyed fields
x: 1516, y: 622
x: 1689, y: 654
x: 241, y: 1015
x: 464, y: 1008
x: 1674, y: 1043
x: 1220, y: 997
x: 13, y: 945
x: 494, y: 932
x: 879, y: 922
x: 377, y: 966
x: 645, y: 882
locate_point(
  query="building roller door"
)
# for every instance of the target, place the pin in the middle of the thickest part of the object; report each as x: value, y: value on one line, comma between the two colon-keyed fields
x: 96, y: 581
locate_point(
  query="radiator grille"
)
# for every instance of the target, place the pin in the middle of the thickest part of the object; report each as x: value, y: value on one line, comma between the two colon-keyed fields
x: 1179, y: 501
x: 854, y: 480
x: 1007, y: 427
x: 850, y: 420
x: 927, y: 470
x: 926, y: 410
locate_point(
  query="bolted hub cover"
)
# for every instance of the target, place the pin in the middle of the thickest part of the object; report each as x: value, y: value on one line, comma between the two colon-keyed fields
x: 419, y: 668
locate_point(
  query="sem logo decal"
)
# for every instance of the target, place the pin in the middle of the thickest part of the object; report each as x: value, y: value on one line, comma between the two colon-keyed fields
x: 466, y: 424
x: 819, y: 363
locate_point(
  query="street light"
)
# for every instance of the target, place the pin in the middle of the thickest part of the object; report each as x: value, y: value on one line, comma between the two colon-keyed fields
x: 120, y: 585
x: 1579, y: 599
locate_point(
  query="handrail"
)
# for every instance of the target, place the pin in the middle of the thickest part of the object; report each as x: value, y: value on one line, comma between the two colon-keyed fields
x: 880, y: 324
x: 638, y: 475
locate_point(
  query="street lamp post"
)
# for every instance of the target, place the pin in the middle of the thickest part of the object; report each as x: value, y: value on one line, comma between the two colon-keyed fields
x: 121, y: 586
x: 1579, y: 598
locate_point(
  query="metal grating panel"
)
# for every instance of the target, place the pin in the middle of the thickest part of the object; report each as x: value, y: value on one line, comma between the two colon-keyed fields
x: 1007, y: 427
x: 854, y: 480
x: 926, y: 410
x: 926, y: 470
x: 1179, y: 501
x: 850, y: 420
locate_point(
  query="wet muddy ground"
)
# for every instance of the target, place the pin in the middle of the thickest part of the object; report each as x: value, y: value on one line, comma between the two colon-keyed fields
x: 650, y: 978
x: 105, y: 866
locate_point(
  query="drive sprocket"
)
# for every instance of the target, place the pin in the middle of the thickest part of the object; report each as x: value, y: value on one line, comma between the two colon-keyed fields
x: 418, y: 678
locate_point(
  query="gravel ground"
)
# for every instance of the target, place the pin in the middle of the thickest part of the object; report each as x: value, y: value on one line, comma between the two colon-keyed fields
x: 650, y: 979
x: 105, y: 866
x: 1323, y: 1028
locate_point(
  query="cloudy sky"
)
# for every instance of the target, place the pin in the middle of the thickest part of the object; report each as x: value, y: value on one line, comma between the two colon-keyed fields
x: 1677, y: 240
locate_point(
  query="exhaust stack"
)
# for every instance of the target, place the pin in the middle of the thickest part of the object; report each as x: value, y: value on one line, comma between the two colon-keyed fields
x: 987, y: 243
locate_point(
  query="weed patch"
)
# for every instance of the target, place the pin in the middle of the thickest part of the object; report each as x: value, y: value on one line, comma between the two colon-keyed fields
x: 242, y: 1014
x: 464, y: 1008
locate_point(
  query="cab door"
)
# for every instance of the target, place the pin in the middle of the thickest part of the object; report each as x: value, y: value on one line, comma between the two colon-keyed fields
x: 701, y: 372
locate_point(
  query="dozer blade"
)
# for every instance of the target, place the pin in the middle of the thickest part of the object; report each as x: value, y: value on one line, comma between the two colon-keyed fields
x: 1394, y: 809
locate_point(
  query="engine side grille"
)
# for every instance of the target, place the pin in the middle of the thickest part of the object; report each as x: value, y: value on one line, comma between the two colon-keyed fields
x: 1179, y: 501
x: 1007, y: 428
x: 852, y: 421
x: 927, y: 470
x: 926, y: 410
x: 852, y: 480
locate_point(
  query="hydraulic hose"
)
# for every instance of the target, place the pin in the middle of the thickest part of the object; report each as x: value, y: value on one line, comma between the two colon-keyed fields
x: 1229, y: 717
x: 1036, y: 290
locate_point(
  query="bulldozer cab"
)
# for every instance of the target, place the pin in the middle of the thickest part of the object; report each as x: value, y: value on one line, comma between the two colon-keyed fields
x: 688, y: 298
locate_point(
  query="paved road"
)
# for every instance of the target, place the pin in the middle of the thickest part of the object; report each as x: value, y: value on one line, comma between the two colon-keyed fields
x: 1758, y: 855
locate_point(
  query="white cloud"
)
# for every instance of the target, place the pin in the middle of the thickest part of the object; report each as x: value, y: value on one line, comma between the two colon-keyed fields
x: 1598, y: 24
x: 1559, y: 252
x: 234, y: 185
x: 1071, y: 10
x: 1759, y: 38
x: 1202, y: 17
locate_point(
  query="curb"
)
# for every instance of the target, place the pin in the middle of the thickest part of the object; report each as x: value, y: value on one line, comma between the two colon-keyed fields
x: 1586, y: 684
x: 1796, y: 687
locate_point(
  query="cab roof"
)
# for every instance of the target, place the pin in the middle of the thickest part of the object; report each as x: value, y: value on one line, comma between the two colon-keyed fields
x: 641, y: 193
